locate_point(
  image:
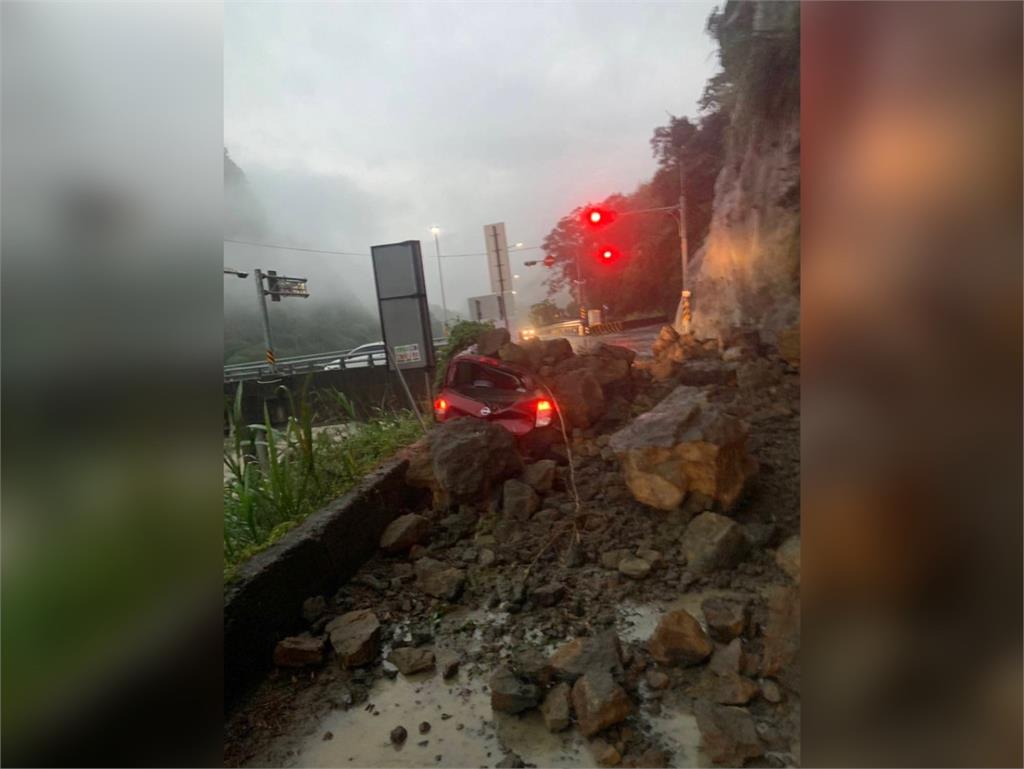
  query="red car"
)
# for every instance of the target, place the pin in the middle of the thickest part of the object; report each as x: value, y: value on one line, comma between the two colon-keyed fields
x: 488, y: 388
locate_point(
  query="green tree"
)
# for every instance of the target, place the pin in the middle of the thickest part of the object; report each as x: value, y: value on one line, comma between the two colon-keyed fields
x: 544, y: 313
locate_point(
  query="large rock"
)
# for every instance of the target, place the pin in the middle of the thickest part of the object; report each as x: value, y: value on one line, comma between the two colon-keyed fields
x: 728, y: 734
x: 682, y: 446
x: 490, y: 341
x: 439, y: 580
x: 711, y: 542
x: 606, y: 368
x: 519, y: 500
x: 540, y: 475
x: 299, y: 651
x: 509, y: 694
x: 599, y: 702
x: 679, y: 640
x: 556, y: 709
x: 355, y: 637
x: 788, y: 558
x: 601, y: 653
x: 470, y: 456
x: 579, y: 397
x: 404, y: 532
x: 512, y: 353
x: 701, y: 373
x: 409, y: 659
x: 782, y: 636
x: 420, y: 471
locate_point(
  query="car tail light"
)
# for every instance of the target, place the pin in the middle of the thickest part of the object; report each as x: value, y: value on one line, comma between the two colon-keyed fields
x: 545, y: 411
x: 440, y: 408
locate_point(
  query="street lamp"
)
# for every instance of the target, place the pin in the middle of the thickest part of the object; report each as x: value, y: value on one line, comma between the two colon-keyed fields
x: 435, y: 230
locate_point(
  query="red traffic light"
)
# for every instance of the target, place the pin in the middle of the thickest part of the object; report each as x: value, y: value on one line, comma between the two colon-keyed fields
x: 608, y: 254
x: 549, y: 261
x: 597, y: 217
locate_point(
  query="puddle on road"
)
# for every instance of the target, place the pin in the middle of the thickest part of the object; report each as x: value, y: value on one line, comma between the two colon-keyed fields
x: 468, y: 737
x: 637, y: 621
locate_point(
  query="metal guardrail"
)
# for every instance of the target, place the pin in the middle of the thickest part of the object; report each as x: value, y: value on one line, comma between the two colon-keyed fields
x: 303, y: 364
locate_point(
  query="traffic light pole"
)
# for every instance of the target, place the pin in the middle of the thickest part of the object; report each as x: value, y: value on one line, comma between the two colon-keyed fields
x: 268, y: 341
x: 684, y: 299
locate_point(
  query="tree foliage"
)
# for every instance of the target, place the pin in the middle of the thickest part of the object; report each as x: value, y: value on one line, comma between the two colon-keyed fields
x: 757, y: 87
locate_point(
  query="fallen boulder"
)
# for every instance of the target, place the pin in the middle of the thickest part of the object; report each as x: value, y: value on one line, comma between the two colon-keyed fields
x: 470, y: 456
x: 519, y: 500
x: 713, y: 542
x: 556, y: 709
x: 409, y: 659
x: 725, y: 619
x: 550, y: 594
x: 580, y: 397
x: 488, y: 342
x: 601, y: 653
x: 679, y: 640
x: 599, y: 702
x: 509, y: 694
x: 404, y: 532
x: 683, y: 445
x: 512, y: 353
x: 540, y: 475
x: 438, y: 579
x: 299, y: 651
x: 355, y: 637
x: 728, y: 734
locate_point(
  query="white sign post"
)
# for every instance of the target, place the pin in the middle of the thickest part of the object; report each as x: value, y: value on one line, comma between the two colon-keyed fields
x: 499, y: 269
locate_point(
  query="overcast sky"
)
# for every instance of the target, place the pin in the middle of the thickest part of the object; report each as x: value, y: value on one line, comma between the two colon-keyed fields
x: 361, y: 124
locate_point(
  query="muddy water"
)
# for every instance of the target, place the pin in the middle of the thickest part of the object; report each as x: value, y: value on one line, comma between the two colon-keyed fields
x: 463, y: 730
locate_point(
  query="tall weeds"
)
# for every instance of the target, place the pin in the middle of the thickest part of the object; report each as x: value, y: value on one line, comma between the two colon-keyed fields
x: 275, y: 477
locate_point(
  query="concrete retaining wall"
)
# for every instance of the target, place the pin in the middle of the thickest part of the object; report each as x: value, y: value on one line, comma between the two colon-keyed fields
x: 264, y: 602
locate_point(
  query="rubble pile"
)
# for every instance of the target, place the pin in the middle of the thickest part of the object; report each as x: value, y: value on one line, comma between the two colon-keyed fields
x: 507, y: 587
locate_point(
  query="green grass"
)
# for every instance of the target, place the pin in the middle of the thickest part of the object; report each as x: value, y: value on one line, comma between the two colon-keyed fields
x: 276, y: 477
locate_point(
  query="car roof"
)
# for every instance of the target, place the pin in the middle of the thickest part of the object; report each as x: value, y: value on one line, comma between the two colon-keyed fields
x: 493, y: 362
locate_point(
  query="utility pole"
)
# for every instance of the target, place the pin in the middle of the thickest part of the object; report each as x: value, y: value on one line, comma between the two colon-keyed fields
x: 684, y: 315
x: 580, y: 300
x: 440, y: 276
x: 262, y: 297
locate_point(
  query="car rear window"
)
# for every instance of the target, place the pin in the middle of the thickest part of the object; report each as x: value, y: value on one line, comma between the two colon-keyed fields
x: 469, y: 374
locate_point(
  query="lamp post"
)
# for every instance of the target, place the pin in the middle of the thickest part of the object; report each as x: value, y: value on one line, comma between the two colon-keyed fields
x: 435, y: 231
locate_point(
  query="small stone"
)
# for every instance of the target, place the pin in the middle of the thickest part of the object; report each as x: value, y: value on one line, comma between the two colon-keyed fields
x: 634, y: 568
x: 788, y: 558
x: 771, y: 691
x: 651, y: 556
x: 605, y: 754
x: 610, y: 559
x: 510, y: 761
x: 328, y: 736
x: 599, y: 702
x: 733, y: 689
x: 398, y: 735
x: 679, y: 640
x: 726, y: 619
x: 314, y: 608
x: 656, y: 679
x: 556, y: 708
x: 531, y: 665
x: 424, y: 727
x: 438, y: 580
x: 520, y: 501
x: 299, y: 651
x: 486, y: 557
x: 550, y: 594
x: 447, y: 661
x: 713, y: 542
x: 727, y: 660
x: 404, y: 532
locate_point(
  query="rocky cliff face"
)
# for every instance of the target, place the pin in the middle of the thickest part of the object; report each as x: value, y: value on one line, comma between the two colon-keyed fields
x: 748, y: 270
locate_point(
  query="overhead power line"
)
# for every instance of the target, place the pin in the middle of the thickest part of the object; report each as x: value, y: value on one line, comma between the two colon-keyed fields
x: 352, y: 253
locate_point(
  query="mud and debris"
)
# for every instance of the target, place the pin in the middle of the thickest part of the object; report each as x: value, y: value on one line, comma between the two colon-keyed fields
x: 542, y: 615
